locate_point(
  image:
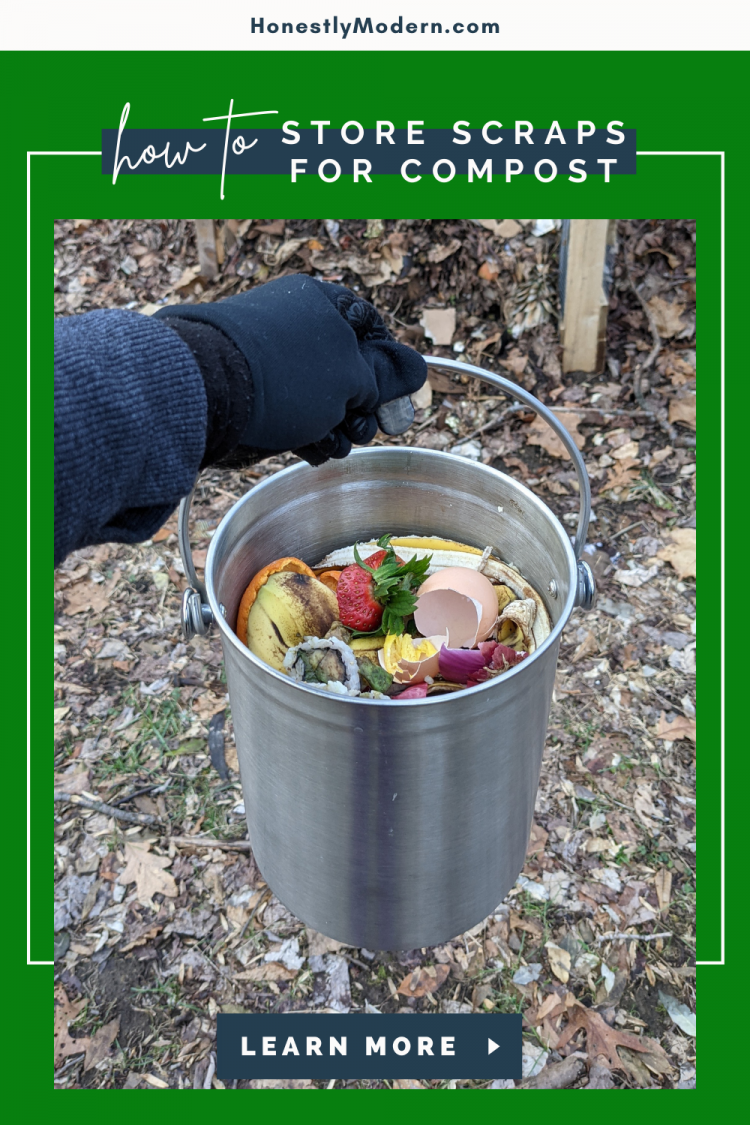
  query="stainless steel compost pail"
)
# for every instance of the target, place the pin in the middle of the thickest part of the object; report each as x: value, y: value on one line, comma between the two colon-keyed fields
x: 383, y: 824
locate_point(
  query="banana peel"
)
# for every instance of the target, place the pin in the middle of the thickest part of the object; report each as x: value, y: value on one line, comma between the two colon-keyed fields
x: 445, y: 553
x: 288, y: 608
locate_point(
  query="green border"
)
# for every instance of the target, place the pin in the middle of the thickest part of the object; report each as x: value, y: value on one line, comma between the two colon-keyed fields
x: 69, y: 97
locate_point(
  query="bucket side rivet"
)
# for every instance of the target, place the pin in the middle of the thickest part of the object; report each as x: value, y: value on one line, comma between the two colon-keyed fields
x: 552, y: 589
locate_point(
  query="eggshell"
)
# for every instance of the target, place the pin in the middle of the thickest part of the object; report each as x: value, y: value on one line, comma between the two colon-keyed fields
x: 471, y: 584
x: 414, y: 671
x: 446, y: 611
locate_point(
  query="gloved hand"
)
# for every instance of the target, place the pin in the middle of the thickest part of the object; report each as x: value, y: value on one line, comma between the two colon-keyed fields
x: 320, y: 362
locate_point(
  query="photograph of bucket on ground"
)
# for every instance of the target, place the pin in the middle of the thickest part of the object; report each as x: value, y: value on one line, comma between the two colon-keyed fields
x: 162, y: 917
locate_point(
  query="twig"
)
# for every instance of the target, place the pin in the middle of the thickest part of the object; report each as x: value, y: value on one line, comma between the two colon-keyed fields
x: 631, y: 937
x: 263, y: 898
x: 206, y: 842
x: 605, y: 411
x: 625, y: 530
x: 494, y: 423
x: 109, y: 810
x: 141, y: 792
x: 210, y: 1072
x: 359, y: 964
x: 648, y: 362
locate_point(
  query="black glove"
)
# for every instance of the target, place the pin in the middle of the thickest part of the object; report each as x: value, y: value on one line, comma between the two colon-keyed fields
x: 320, y: 362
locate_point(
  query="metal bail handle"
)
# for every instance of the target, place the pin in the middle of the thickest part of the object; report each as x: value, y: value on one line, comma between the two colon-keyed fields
x: 586, y: 592
x: 395, y: 418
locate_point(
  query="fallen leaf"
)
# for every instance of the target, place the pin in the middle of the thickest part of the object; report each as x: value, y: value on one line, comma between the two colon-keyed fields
x: 681, y: 727
x: 515, y: 362
x: 661, y: 455
x: 267, y: 970
x: 147, y: 872
x: 422, y: 399
x: 159, y: 1083
x: 559, y: 961
x: 680, y: 552
x: 287, y: 250
x: 533, y: 1059
x: 682, y: 409
x: 602, y: 1040
x: 489, y: 271
x: 589, y: 646
x: 439, y: 325
x: 72, y: 782
x: 421, y: 981
x: 407, y: 1084
x: 66, y: 1012
x: 147, y: 934
x: 373, y: 269
x: 539, y: 433
x: 275, y: 228
x: 85, y: 597
x: 679, y: 1013
x: 187, y: 278
x: 179, y: 580
x: 627, y: 451
x: 668, y: 316
x: 663, y: 887
x: 162, y: 534
x: 99, y: 1047
x: 636, y: 577
x: 493, y: 339
x: 537, y: 839
x: 503, y: 228
x: 440, y: 253
x: 527, y: 974
x: 318, y: 944
x: 67, y: 578
x: 678, y: 370
x: 60, y: 713
x: 621, y: 475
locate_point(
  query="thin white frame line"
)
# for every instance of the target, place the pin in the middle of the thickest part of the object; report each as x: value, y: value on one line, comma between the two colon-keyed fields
x: 253, y: 113
x: 718, y: 152
x: 722, y: 534
x: 29, y: 154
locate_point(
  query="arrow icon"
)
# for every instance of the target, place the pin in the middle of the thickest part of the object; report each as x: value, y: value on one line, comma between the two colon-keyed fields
x: 492, y: 1046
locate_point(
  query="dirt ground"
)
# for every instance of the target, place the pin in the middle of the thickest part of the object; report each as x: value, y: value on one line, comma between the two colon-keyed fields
x: 162, y: 918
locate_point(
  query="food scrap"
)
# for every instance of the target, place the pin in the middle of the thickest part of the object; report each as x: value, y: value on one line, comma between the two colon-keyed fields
x: 416, y: 617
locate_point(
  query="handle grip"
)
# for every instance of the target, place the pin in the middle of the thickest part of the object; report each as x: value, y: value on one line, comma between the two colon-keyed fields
x: 396, y: 416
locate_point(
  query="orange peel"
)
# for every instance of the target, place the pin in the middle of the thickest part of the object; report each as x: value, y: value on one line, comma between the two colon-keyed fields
x: 296, y: 566
x: 330, y: 578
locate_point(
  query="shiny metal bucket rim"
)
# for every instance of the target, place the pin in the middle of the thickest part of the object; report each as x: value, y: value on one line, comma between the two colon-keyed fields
x: 231, y: 637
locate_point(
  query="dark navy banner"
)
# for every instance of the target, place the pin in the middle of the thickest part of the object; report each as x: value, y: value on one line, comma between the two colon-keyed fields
x: 322, y: 151
x: 368, y: 1046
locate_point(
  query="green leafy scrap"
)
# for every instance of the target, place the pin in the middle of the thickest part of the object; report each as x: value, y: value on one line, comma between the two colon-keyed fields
x: 394, y: 584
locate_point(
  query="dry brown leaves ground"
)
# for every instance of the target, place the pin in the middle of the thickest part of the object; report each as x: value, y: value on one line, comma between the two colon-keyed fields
x: 155, y: 931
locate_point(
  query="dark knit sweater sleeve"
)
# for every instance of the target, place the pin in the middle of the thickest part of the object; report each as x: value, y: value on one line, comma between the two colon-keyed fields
x: 130, y: 427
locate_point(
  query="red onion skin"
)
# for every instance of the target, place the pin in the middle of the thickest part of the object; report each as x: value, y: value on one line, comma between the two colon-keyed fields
x: 504, y: 655
x: 417, y: 691
x: 458, y: 664
x: 501, y: 657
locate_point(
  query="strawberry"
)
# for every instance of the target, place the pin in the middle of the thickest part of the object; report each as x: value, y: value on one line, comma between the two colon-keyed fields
x: 376, y: 595
x: 359, y: 609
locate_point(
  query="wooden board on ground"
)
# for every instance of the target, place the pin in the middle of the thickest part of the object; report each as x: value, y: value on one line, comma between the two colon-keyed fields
x: 584, y: 292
